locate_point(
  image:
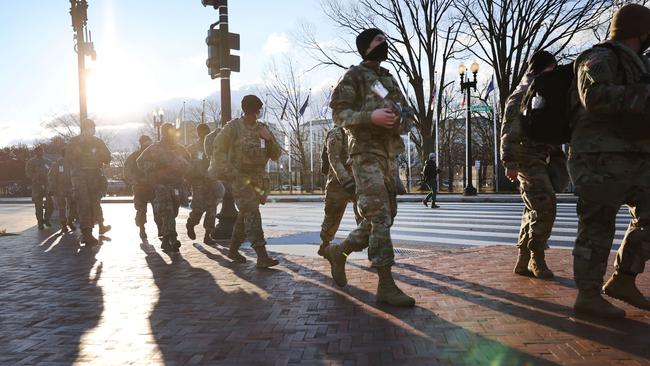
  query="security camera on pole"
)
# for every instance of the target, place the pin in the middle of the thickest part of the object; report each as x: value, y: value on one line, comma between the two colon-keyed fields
x: 220, y: 64
x: 84, y: 46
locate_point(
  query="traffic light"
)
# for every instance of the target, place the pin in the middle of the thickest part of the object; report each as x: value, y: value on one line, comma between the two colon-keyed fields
x: 219, y: 54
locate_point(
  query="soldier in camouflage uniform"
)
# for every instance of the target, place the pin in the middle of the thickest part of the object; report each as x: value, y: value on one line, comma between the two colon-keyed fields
x: 367, y: 103
x: 36, y: 169
x: 609, y: 163
x: 340, y: 188
x: 241, y: 151
x: 143, y: 193
x: 165, y: 164
x: 206, y: 192
x: 60, y: 185
x: 86, y: 156
x: 528, y: 162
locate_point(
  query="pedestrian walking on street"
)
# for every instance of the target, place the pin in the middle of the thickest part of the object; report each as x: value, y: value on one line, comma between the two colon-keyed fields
x: 60, y: 188
x: 528, y: 163
x: 610, y: 163
x: 207, y: 192
x: 340, y: 187
x: 165, y: 164
x: 240, y: 154
x: 143, y: 192
x: 367, y: 103
x: 430, y: 177
x: 86, y: 156
x: 37, y: 169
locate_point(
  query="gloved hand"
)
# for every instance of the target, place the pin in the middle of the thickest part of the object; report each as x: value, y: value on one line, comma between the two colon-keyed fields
x: 350, y: 187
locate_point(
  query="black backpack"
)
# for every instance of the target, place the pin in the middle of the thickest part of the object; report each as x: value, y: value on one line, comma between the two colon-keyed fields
x: 545, y: 114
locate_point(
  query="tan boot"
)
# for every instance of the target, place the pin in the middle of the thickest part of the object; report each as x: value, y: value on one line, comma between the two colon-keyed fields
x: 388, y: 292
x: 263, y: 258
x: 323, y: 249
x: 234, y: 255
x: 337, y: 257
x: 621, y: 286
x: 537, y: 265
x: 521, y: 268
x: 591, y: 302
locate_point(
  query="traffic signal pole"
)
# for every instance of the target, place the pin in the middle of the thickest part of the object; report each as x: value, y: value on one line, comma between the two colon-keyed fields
x: 220, y: 64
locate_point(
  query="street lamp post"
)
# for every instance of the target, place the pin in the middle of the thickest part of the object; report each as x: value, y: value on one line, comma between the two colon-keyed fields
x: 157, y: 121
x: 84, y: 47
x: 466, y: 85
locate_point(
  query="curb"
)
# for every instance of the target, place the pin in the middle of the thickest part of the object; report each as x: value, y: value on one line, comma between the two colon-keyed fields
x: 442, y: 198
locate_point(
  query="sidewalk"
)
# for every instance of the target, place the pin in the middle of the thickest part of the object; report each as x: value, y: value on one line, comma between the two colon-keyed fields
x: 442, y: 197
x: 127, y: 302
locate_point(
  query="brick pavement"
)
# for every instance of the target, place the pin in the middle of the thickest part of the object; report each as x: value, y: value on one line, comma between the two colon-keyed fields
x: 127, y: 302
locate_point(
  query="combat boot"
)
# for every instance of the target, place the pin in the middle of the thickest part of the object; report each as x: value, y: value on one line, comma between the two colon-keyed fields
x: 591, y: 302
x: 263, y: 259
x: 103, y: 229
x: 64, y: 228
x: 166, y: 245
x: 207, y: 239
x: 337, y: 256
x: 143, y: 233
x: 175, y: 244
x: 47, y: 223
x: 190, y: 231
x: 537, y: 265
x: 521, y: 268
x: 234, y: 255
x: 323, y: 250
x: 41, y: 226
x: 388, y: 292
x: 426, y: 204
x: 88, y: 238
x: 621, y: 286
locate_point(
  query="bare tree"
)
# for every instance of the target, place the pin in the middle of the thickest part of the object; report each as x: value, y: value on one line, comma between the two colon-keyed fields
x: 422, y: 38
x: 286, y: 96
x: 64, y: 125
x: 505, y: 33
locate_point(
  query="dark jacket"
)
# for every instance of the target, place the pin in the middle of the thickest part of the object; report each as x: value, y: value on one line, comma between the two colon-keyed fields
x: 430, y: 171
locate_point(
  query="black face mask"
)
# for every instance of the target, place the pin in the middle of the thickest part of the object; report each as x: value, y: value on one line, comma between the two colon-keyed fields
x: 379, y: 53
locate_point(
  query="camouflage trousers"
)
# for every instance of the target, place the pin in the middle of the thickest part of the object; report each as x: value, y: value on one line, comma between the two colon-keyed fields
x: 336, y: 202
x: 604, y: 182
x: 248, y: 226
x: 166, y: 202
x: 143, y: 195
x: 377, y: 204
x: 43, y: 205
x: 66, y: 208
x: 206, y: 196
x: 87, y: 195
x: 540, y: 206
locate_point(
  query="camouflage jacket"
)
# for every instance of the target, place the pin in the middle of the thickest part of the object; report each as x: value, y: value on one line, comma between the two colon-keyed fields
x: 610, y: 102
x: 517, y: 150
x: 36, y: 169
x: 164, y: 163
x: 239, y: 151
x: 132, y: 173
x: 353, y: 101
x: 58, y: 179
x: 208, y: 144
x: 86, y: 153
x: 337, y: 154
x: 199, y: 162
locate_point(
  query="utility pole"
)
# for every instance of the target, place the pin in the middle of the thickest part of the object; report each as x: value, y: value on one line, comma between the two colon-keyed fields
x: 84, y: 47
x: 220, y: 64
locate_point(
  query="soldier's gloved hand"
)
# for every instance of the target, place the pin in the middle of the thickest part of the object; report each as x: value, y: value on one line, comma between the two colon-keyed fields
x: 350, y: 187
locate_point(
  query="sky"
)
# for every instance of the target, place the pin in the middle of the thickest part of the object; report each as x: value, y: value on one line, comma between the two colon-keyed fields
x: 149, y: 52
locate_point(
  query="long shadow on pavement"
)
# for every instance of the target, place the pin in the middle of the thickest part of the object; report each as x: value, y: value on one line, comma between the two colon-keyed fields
x: 627, y: 335
x: 348, y: 326
x: 49, y: 297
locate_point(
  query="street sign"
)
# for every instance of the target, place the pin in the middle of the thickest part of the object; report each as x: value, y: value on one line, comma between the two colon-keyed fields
x: 481, y: 108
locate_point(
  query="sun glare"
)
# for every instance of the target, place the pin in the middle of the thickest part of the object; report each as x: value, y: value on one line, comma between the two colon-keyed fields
x: 118, y: 83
